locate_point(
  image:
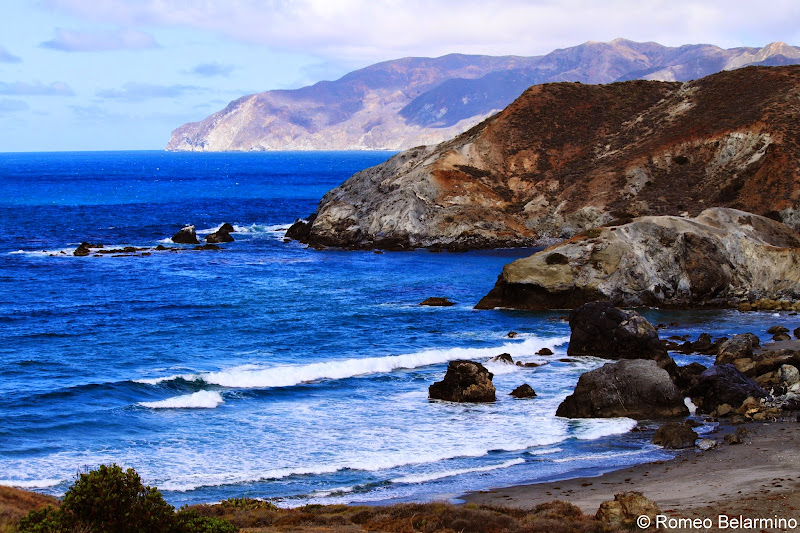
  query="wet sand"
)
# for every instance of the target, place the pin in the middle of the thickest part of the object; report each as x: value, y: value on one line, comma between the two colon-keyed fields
x: 758, y: 478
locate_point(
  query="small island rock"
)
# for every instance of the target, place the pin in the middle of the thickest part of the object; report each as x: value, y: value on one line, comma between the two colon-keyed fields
x: 523, y: 391
x: 186, y: 235
x: 465, y: 381
x: 436, y: 301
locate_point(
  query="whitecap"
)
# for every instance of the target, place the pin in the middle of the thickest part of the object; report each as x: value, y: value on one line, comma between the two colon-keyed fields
x: 199, y: 400
x: 432, y: 476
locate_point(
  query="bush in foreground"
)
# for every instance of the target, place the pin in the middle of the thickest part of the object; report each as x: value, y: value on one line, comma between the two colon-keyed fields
x: 113, y: 500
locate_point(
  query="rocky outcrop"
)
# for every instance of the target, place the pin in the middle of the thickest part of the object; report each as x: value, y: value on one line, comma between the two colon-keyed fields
x: 223, y: 234
x: 186, y: 235
x: 465, y: 381
x: 737, y: 347
x: 723, y: 384
x: 626, y: 507
x: 412, y: 101
x: 635, y: 388
x: 523, y: 391
x: 567, y: 157
x: 674, y: 436
x: 602, y: 330
x: 721, y: 257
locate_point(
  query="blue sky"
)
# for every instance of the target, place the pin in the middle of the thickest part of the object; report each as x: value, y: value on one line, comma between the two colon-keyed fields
x: 122, y: 74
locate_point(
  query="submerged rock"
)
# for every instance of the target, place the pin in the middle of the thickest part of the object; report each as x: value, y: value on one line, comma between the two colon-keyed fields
x: 436, y: 301
x: 722, y: 257
x: 502, y: 358
x: 635, y: 388
x: 465, y: 381
x: 186, y: 235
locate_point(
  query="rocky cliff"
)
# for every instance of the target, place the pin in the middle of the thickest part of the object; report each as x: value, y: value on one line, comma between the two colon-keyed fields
x: 565, y: 157
x: 413, y: 101
x: 722, y: 257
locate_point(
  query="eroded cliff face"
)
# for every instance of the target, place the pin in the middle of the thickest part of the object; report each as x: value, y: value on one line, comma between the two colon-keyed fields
x: 720, y: 258
x: 565, y: 157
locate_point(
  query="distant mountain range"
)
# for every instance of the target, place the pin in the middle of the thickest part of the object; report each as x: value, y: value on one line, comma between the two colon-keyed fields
x: 409, y: 102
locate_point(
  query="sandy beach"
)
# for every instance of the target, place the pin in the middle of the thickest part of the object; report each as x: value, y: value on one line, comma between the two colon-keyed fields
x: 758, y: 478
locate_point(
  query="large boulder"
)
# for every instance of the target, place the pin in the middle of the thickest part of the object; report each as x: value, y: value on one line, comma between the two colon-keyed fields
x: 674, y: 436
x: 722, y: 257
x: 723, y: 384
x: 465, y: 381
x: 186, y: 235
x: 737, y: 347
x: 602, y: 330
x: 523, y: 391
x: 635, y: 388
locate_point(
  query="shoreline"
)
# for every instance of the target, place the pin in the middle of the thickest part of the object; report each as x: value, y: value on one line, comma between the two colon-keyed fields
x: 764, y: 468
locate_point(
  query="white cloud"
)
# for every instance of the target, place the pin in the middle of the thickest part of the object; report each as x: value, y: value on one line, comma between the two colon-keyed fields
x: 7, y: 105
x: 139, y: 92
x: 382, y: 29
x: 21, y: 88
x: 87, y: 41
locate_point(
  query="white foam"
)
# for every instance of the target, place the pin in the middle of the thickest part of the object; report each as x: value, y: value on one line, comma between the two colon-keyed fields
x: 30, y: 483
x: 423, y: 478
x: 546, y: 451
x: 592, y: 428
x: 692, y: 407
x: 290, y: 375
x: 203, y: 399
x: 604, y: 455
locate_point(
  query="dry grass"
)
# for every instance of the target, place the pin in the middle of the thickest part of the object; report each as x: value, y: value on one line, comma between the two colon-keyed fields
x: 553, y: 517
x: 16, y: 503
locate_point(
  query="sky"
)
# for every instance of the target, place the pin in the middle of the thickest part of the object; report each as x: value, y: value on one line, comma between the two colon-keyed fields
x: 122, y: 74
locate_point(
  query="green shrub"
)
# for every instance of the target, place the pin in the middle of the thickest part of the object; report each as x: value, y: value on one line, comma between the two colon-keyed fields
x: 112, y: 500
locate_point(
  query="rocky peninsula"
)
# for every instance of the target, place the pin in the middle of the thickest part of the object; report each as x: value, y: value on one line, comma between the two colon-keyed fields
x: 567, y: 157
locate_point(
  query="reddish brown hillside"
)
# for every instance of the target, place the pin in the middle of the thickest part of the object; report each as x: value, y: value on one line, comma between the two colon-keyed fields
x: 567, y: 156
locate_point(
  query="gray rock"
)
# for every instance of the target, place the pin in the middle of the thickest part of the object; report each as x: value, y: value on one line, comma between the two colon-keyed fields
x: 737, y: 347
x: 788, y: 375
x: 635, y: 388
x: 707, y: 444
x: 599, y: 329
x: 723, y: 384
x: 721, y: 257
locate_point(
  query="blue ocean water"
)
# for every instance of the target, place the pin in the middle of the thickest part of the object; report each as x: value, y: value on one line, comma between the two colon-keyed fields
x: 266, y: 369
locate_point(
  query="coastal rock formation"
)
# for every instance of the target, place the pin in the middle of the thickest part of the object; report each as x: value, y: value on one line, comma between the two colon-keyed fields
x: 737, y: 347
x: 626, y: 508
x: 523, y: 391
x: 723, y: 384
x: 412, y: 101
x: 465, y: 381
x: 602, y: 330
x: 186, y: 235
x: 635, y: 388
x: 721, y: 257
x: 567, y: 157
x: 223, y: 234
x: 673, y: 436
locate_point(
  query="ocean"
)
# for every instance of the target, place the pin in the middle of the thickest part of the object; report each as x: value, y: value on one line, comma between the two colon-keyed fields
x: 268, y: 369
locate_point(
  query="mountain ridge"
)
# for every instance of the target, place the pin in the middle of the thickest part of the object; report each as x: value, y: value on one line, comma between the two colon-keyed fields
x: 399, y: 104
x: 566, y: 157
